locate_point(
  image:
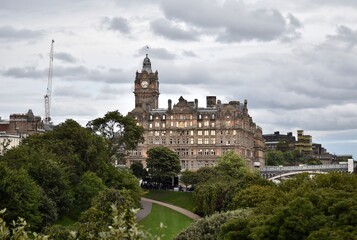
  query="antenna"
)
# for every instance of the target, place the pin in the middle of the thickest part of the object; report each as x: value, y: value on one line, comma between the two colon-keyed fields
x: 47, y: 120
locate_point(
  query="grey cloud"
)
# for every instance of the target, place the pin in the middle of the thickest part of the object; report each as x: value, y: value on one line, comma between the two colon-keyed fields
x: 158, y: 53
x: 25, y: 72
x: 232, y: 21
x: 65, y: 57
x: 70, y: 91
x: 189, y: 53
x: 72, y: 73
x: 117, y: 24
x: 10, y: 33
x: 344, y: 35
x: 174, y: 32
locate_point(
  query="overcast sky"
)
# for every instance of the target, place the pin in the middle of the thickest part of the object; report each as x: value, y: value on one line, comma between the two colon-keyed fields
x: 294, y: 61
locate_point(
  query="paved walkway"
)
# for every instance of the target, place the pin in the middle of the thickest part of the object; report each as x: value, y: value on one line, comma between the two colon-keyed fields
x: 147, y: 204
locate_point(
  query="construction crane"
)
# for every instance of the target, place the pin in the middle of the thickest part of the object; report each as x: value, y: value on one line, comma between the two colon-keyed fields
x: 47, y: 120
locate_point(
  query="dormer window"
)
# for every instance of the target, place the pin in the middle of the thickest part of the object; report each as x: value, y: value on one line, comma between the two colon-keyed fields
x: 150, y: 117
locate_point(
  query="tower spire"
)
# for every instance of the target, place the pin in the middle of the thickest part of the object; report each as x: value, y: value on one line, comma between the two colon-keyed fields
x: 147, y: 64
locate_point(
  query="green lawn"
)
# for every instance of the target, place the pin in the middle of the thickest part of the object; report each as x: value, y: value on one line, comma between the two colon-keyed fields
x: 181, y: 199
x: 173, y: 221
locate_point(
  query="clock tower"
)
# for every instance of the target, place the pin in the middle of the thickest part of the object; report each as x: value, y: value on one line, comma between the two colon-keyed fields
x: 146, y: 87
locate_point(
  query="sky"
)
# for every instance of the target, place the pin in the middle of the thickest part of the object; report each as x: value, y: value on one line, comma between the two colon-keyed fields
x: 294, y: 61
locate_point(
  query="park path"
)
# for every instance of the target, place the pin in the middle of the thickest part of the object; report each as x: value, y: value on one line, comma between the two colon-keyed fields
x: 147, y: 204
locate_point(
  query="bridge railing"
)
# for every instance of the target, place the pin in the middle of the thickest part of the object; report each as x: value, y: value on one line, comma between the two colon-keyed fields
x: 304, y: 168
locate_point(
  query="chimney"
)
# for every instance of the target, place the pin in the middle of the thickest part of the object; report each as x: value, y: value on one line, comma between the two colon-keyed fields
x: 170, y: 105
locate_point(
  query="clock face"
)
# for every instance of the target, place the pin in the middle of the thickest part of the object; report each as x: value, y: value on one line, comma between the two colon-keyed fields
x: 144, y: 84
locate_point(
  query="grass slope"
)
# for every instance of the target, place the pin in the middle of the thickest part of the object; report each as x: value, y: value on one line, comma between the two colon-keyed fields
x: 173, y: 221
x: 181, y: 199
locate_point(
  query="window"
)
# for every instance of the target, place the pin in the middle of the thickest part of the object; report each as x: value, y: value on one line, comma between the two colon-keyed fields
x: 150, y: 117
x: 200, y: 152
x: 157, y: 133
x: 213, y: 116
x: 199, y: 141
x: 191, y: 140
x: 213, y: 132
x: 163, y: 117
x: 206, y: 140
x: 200, y: 116
x: 206, y: 123
x: 206, y: 132
x: 150, y: 125
x: 163, y: 133
x: 213, y: 141
x: 199, y: 132
x: 157, y: 124
x: 163, y: 125
x: 199, y: 124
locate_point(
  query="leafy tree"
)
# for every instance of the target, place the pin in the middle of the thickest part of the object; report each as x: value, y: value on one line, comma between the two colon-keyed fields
x: 188, y: 178
x: 88, y: 187
x: 49, y: 173
x: 138, y: 170
x: 19, y: 195
x: 119, y: 131
x: 232, y: 165
x: 97, y: 218
x: 162, y: 163
x: 274, y: 158
x: 209, y: 227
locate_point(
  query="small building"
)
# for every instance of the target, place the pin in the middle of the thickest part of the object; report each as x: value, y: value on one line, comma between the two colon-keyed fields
x: 17, y: 127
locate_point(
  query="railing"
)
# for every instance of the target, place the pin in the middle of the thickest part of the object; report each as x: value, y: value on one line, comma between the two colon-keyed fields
x: 303, y: 168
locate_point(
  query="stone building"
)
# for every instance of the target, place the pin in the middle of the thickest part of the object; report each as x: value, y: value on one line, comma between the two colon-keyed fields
x: 197, y: 134
x: 17, y: 127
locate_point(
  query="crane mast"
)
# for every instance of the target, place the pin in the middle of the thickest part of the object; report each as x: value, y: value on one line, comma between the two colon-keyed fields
x: 47, y: 120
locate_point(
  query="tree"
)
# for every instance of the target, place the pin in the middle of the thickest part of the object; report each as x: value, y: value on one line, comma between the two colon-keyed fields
x: 19, y: 195
x: 188, y: 178
x: 97, y: 218
x: 162, y: 163
x: 121, y: 132
x: 209, y: 227
x: 138, y: 170
x: 232, y: 165
x: 88, y: 187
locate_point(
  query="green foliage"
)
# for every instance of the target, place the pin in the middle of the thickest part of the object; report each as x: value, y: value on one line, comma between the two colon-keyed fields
x: 118, y: 229
x: 188, y: 178
x: 323, y: 207
x: 163, y: 162
x: 232, y: 165
x: 217, y: 186
x: 43, y: 173
x: 121, y: 178
x: 20, y: 196
x: 97, y: 218
x: 88, y: 187
x: 209, y: 227
x: 138, y: 170
x: 287, y: 158
x: 119, y: 131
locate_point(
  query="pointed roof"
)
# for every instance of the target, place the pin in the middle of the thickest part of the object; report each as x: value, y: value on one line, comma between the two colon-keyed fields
x: 147, y: 64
